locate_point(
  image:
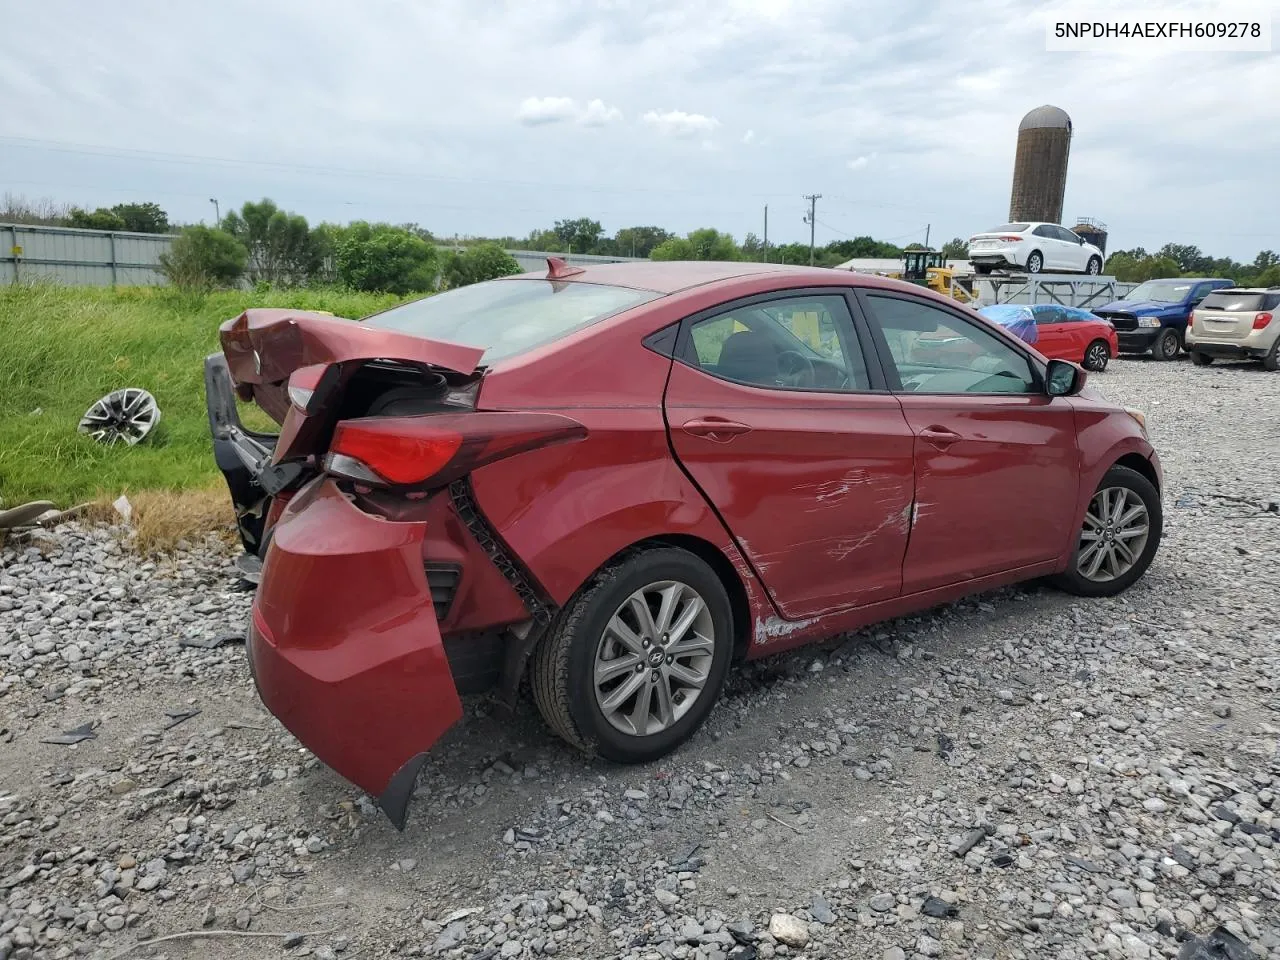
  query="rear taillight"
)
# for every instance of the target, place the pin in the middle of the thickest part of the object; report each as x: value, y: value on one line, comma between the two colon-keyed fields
x: 433, y: 450
x: 1012, y: 239
x: 1260, y: 320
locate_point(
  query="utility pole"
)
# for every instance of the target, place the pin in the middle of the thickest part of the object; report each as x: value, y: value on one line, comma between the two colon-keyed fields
x: 927, y: 227
x: 766, y: 233
x: 217, y: 214
x: 811, y: 219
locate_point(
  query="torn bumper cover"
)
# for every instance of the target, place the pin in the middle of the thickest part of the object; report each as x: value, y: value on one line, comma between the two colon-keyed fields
x: 344, y: 646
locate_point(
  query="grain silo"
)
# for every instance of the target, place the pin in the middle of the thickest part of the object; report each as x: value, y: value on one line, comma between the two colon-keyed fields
x: 1040, y: 166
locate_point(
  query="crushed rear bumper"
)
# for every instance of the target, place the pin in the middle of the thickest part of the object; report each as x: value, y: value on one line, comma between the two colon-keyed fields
x: 344, y: 645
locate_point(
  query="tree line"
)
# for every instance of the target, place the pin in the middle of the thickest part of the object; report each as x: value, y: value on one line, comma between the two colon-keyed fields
x: 265, y: 244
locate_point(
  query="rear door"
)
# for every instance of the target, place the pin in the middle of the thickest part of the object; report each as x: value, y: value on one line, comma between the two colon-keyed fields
x: 1052, y: 339
x: 996, y: 458
x: 791, y: 435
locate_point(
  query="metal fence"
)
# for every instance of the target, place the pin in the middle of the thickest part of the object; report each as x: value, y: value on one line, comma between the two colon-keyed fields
x: 81, y: 257
x: 109, y: 257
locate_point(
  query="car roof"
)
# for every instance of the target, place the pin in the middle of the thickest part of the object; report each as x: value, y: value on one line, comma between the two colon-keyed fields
x: 672, y: 276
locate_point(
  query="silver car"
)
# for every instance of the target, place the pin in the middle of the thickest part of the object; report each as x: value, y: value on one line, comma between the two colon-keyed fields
x: 1238, y: 323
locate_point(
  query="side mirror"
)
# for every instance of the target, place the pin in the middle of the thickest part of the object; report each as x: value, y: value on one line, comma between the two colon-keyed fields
x: 1063, y: 379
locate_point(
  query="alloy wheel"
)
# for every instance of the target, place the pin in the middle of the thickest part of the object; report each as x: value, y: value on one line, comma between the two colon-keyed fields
x: 1098, y: 357
x: 1116, y: 527
x: 654, y: 658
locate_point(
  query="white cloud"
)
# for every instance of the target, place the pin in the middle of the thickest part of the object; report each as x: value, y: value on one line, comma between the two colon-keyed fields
x: 860, y: 163
x: 597, y: 113
x: 677, y: 123
x: 749, y: 136
x: 538, y: 111
x: 535, y: 111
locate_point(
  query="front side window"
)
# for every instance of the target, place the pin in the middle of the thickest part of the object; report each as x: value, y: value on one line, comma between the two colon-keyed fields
x: 507, y: 317
x: 937, y: 352
x: 796, y: 343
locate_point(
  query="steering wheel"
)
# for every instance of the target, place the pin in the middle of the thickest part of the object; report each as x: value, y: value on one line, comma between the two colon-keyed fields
x: 796, y: 368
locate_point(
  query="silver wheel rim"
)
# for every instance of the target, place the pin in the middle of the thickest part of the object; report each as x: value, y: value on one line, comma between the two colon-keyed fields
x: 1098, y: 355
x: 1034, y: 263
x: 1116, y: 527
x: 123, y: 416
x: 1094, y: 267
x: 1169, y: 345
x: 653, y: 661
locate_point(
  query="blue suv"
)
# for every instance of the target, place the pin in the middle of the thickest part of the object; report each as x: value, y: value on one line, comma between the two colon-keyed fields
x: 1154, y: 315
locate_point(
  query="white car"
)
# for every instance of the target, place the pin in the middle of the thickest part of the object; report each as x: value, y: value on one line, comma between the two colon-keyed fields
x: 1035, y: 248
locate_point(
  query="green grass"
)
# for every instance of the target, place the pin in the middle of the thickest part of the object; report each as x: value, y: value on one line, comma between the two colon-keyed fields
x: 61, y: 348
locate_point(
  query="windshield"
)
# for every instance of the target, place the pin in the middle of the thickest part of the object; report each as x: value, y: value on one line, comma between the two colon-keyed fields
x: 1233, y: 300
x: 1161, y: 291
x: 506, y: 317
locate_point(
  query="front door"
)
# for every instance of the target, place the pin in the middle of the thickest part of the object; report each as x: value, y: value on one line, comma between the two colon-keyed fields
x: 808, y: 459
x: 996, y: 458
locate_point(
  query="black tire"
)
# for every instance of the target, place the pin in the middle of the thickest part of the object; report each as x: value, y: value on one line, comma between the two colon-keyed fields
x: 1074, y: 582
x: 1094, y: 267
x: 1035, y: 262
x: 1200, y: 359
x: 1167, y: 345
x: 983, y: 268
x: 1272, y: 360
x: 1096, y: 356
x: 561, y: 671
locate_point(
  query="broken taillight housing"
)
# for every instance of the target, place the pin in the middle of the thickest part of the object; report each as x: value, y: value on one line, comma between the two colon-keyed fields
x: 432, y: 450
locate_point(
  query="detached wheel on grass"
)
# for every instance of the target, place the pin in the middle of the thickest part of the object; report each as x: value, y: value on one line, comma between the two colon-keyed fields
x: 635, y: 662
x: 1119, y: 538
x: 1096, y: 356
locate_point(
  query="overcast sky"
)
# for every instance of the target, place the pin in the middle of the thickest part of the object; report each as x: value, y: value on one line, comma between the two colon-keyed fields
x: 487, y: 117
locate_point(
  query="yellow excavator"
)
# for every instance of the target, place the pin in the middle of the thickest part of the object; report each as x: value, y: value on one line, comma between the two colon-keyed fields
x: 929, y: 269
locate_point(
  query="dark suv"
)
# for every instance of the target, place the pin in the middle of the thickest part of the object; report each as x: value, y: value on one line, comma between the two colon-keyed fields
x: 1154, y: 315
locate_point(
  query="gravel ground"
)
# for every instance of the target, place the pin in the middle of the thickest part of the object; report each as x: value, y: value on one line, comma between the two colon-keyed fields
x: 1022, y: 774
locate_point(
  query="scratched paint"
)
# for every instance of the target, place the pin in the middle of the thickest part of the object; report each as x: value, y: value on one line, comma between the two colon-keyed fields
x: 775, y: 628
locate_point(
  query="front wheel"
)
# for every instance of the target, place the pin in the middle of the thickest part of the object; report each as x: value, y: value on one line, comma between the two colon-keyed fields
x: 1200, y: 359
x: 635, y: 662
x: 1035, y: 262
x: 1166, y: 346
x: 1119, y: 538
x: 1096, y: 356
x: 1094, y: 268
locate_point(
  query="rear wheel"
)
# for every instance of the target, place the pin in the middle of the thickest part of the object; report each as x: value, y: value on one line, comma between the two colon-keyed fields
x: 1035, y: 262
x: 982, y: 268
x: 634, y: 663
x: 1166, y: 345
x: 1200, y: 359
x: 1097, y: 355
x: 1094, y: 268
x: 1119, y: 538
x: 1272, y: 360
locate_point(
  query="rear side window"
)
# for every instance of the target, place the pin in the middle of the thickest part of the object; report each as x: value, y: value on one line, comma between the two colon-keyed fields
x: 1231, y: 301
x: 791, y: 343
x: 507, y: 317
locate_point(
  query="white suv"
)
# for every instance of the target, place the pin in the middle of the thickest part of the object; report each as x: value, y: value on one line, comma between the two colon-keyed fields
x: 1238, y: 323
x: 1035, y: 248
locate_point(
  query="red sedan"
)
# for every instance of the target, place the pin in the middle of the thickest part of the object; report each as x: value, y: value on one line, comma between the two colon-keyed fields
x: 614, y: 481
x: 1059, y: 332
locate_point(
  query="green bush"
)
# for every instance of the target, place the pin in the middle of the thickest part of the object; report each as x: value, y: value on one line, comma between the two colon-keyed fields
x: 380, y: 257
x: 202, y: 258
x: 705, y: 244
x: 484, y: 261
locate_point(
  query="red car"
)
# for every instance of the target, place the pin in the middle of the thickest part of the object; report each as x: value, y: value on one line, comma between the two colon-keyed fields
x: 614, y: 481
x: 1058, y: 332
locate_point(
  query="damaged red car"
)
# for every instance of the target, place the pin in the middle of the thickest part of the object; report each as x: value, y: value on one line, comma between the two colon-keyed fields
x: 606, y: 484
